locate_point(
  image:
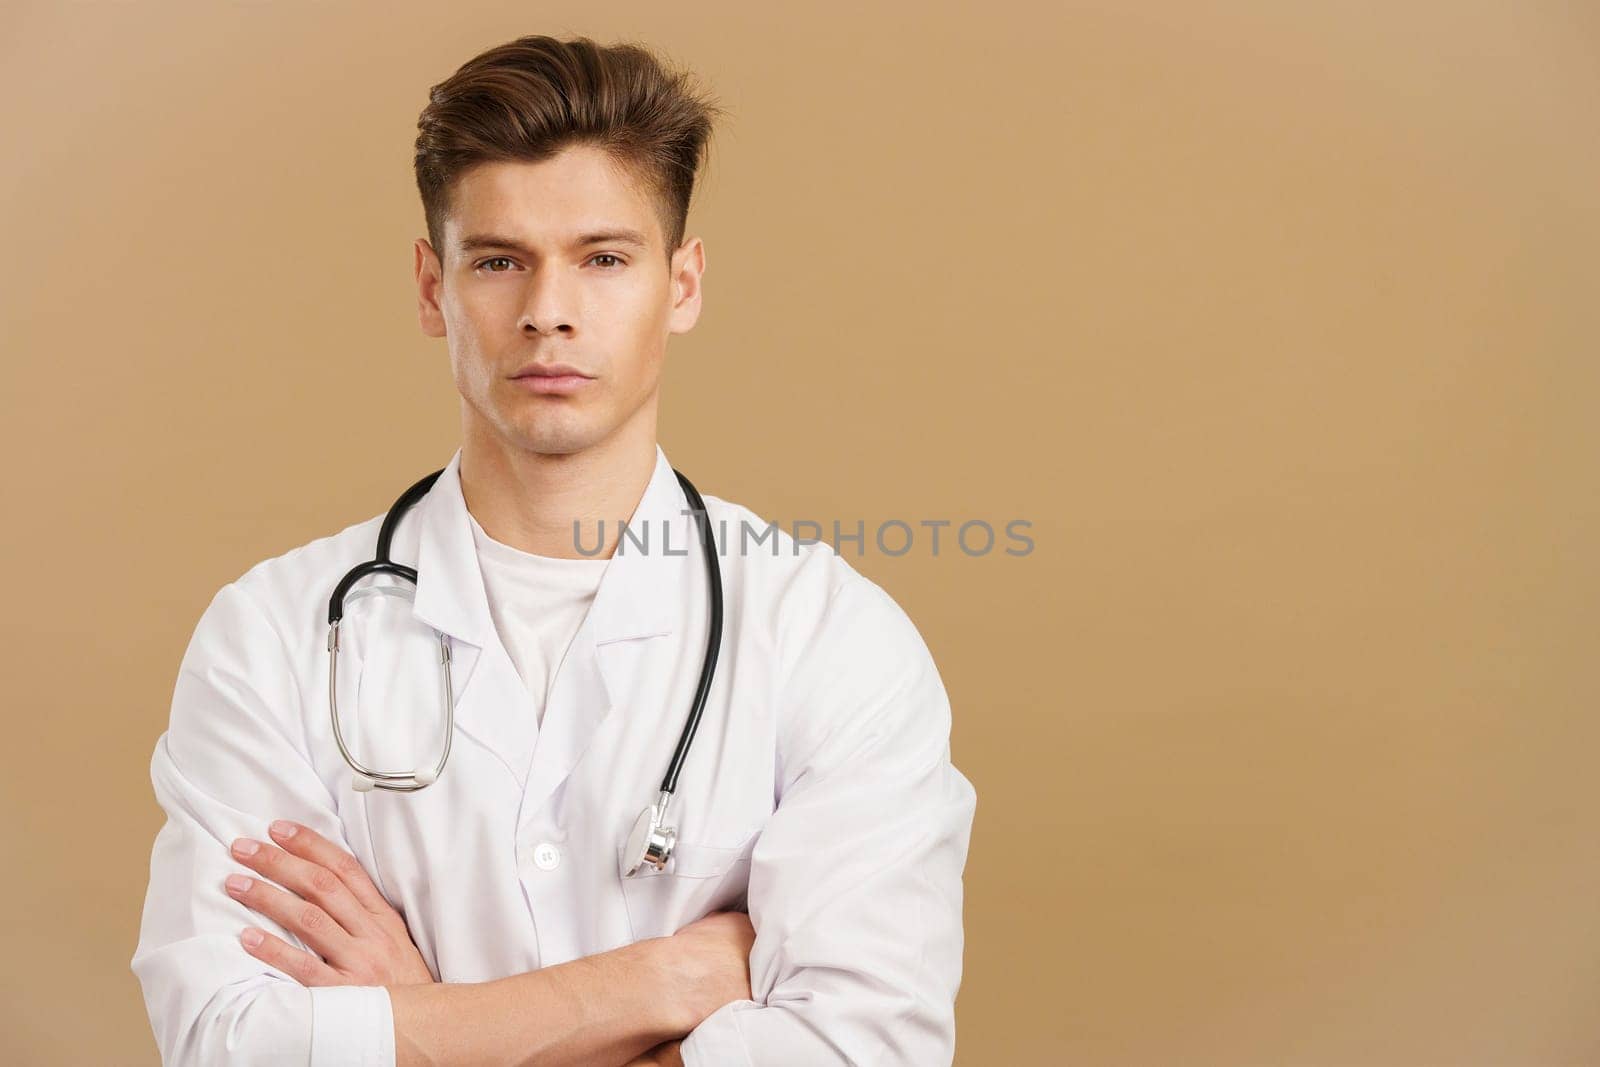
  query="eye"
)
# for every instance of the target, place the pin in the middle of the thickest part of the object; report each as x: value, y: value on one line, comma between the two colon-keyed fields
x: 607, y: 255
x: 494, y: 259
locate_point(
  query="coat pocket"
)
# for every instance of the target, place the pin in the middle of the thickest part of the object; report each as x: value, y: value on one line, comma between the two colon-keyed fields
x: 699, y: 880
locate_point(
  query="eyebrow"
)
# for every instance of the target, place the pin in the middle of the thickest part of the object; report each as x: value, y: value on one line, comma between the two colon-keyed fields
x: 614, y: 236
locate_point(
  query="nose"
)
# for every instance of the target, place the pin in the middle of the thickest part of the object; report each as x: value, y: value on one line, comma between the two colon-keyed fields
x: 549, y: 305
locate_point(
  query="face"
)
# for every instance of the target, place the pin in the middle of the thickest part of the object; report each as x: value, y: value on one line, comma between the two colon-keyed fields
x: 557, y: 262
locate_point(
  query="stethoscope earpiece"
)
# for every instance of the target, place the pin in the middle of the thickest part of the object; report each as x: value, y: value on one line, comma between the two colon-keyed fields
x: 361, y: 783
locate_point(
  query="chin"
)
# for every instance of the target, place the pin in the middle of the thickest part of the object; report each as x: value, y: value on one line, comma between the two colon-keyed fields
x: 550, y: 440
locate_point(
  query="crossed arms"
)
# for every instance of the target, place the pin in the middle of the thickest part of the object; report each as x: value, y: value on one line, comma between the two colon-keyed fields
x: 608, y: 1008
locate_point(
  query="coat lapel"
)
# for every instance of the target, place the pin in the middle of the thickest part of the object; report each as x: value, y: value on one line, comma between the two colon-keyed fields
x: 639, y: 597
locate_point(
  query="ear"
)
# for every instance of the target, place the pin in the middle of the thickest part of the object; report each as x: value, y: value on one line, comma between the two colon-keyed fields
x: 430, y: 286
x: 687, y: 267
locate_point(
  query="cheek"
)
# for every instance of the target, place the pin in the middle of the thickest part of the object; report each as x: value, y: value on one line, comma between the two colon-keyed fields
x: 466, y: 344
x: 645, y: 332
x: 470, y: 313
x: 643, y: 373
x: 638, y: 305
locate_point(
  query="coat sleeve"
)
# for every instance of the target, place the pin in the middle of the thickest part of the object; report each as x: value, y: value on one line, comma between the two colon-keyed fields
x: 855, y: 883
x: 232, y: 759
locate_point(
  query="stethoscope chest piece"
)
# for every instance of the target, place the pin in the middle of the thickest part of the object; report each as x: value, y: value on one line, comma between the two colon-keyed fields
x: 650, y: 841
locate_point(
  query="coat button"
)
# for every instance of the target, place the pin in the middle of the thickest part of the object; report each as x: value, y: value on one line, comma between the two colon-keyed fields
x: 546, y: 856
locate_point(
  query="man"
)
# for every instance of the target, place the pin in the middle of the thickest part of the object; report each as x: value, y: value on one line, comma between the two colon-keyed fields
x: 486, y: 918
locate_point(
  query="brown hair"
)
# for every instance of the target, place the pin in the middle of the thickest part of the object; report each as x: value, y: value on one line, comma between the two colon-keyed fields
x: 531, y: 98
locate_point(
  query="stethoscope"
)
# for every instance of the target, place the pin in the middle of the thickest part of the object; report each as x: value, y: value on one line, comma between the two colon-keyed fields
x: 651, y: 840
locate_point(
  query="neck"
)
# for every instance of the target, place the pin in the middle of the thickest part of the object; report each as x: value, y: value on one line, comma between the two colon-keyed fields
x: 530, y: 500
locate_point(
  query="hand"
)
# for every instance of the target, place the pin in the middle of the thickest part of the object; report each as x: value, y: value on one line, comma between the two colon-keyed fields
x: 666, y: 1054
x: 359, y: 939
x: 711, y: 963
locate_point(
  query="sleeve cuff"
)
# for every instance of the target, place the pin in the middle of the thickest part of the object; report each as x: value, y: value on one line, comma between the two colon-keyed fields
x: 351, y: 1025
x: 717, y: 1041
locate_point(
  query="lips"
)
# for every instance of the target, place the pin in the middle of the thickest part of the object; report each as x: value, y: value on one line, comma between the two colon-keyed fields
x: 551, y: 370
x: 552, y: 379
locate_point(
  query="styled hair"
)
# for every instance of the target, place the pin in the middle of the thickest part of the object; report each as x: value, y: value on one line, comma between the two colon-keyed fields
x: 532, y: 98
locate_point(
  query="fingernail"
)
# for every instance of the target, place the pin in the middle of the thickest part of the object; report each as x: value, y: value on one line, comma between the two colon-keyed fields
x: 251, y: 937
x: 283, y: 828
x: 238, y: 883
x: 246, y: 847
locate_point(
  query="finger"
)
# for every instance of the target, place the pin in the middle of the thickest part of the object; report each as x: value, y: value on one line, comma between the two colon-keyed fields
x: 298, y: 964
x: 310, y: 845
x: 306, y: 920
x: 309, y: 881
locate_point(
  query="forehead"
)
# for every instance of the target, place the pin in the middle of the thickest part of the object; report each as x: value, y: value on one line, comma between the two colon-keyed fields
x: 580, y: 190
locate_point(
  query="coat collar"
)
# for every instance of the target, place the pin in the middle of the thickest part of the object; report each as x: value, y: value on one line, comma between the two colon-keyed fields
x: 635, y: 595
x: 642, y: 594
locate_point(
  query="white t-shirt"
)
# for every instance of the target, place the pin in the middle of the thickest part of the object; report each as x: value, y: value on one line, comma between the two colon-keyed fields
x: 538, y: 603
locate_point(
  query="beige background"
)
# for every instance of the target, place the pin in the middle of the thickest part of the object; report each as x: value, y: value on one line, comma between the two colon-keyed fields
x: 1277, y: 322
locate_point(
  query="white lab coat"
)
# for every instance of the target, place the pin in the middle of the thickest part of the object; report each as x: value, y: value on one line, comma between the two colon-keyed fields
x: 818, y: 795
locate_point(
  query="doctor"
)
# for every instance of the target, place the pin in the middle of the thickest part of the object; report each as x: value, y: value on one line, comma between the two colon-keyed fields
x: 811, y: 909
